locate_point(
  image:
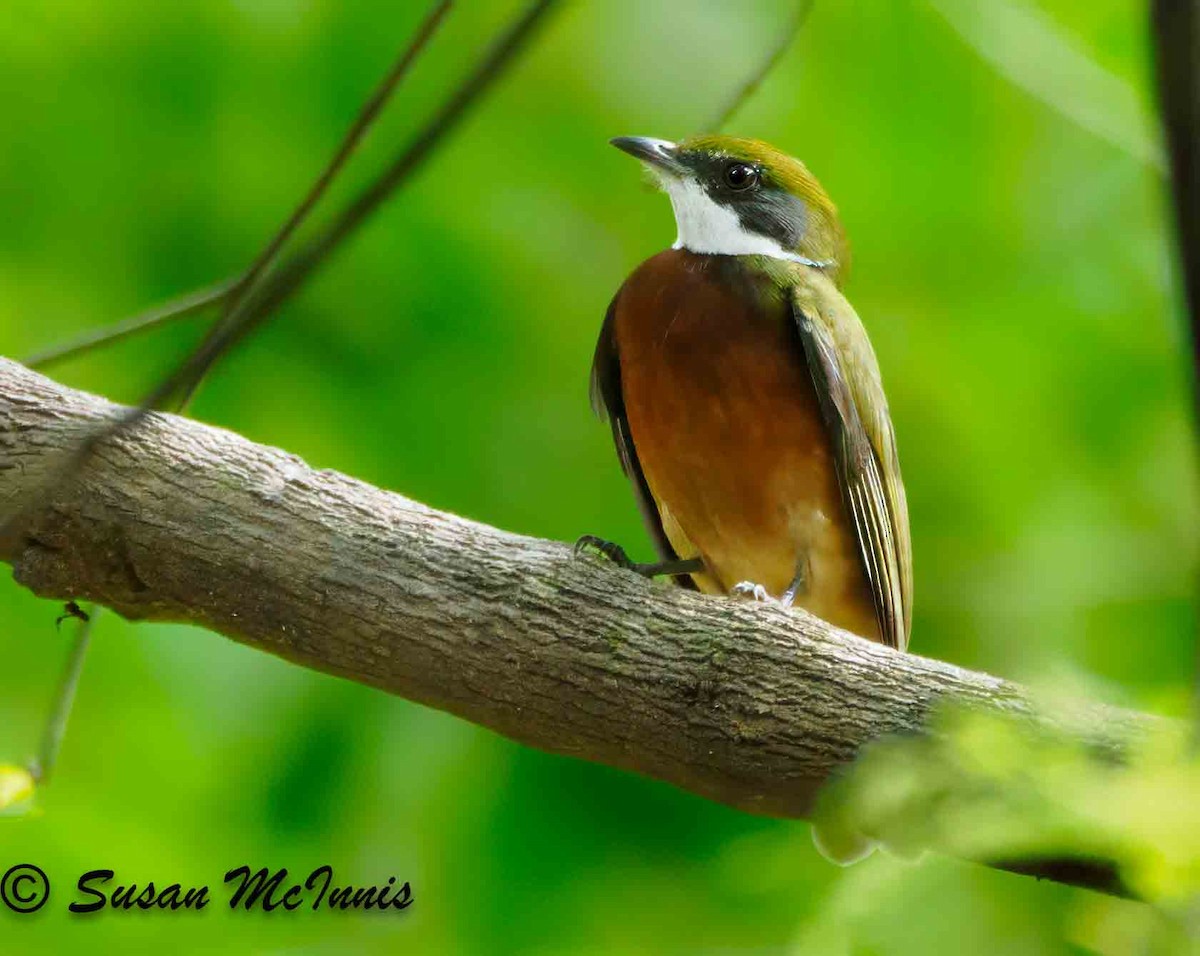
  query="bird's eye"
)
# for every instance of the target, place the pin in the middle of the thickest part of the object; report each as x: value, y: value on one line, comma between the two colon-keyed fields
x: 740, y: 176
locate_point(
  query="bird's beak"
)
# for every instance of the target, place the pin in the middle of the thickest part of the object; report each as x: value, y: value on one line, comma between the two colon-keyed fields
x: 656, y: 153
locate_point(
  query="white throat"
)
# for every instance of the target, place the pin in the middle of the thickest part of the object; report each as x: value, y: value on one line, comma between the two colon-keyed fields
x: 708, y: 228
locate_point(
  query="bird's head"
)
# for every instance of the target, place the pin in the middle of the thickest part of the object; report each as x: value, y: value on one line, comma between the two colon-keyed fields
x: 743, y: 197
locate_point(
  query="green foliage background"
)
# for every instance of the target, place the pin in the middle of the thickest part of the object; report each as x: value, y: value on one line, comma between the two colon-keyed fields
x: 996, y: 165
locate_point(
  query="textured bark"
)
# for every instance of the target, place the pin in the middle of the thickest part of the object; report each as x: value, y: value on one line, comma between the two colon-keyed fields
x: 746, y: 704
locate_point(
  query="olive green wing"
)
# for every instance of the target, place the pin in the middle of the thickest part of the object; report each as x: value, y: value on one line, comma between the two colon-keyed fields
x: 608, y: 402
x: 846, y: 378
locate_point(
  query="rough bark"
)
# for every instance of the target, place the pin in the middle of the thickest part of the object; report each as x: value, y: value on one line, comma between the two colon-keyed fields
x: 746, y: 704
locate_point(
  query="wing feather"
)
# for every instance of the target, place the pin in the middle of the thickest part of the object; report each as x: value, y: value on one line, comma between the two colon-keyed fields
x: 848, y: 386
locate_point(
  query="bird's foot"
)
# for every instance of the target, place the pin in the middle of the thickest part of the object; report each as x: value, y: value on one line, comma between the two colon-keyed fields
x: 752, y: 592
x: 616, y: 554
x: 608, y: 549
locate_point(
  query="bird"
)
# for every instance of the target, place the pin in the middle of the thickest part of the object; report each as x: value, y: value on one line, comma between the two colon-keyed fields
x: 745, y: 399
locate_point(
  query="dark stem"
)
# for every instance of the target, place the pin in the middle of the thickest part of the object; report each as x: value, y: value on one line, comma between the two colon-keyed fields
x: 264, y: 300
x: 1100, y: 875
x: 774, y: 55
x: 359, y: 128
x: 1176, y: 25
x: 232, y: 291
x: 190, y: 304
x: 64, y: 699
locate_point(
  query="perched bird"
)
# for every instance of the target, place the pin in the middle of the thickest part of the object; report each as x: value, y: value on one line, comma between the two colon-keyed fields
x: 745, y: 399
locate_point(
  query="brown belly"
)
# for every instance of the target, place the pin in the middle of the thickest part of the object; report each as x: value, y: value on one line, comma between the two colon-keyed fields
x: 730, y: 437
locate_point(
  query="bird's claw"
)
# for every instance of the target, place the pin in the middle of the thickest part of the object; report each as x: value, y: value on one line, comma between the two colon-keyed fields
x: 616, y: 554
x: 608, y: 549
x: 751, y: 591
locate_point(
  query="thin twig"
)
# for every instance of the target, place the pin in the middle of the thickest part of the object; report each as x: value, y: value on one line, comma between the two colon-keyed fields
x: 182, y: 307
x: 262, y: 302
x: 361, y: 126
x: 64, y: 699
x: 232, y: 291
x: 755, y: 80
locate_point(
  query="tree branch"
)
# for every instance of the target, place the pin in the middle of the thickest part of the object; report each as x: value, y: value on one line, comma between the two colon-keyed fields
x: 749, y: 705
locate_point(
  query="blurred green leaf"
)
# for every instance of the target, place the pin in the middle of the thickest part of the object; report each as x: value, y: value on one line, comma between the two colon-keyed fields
x: 17, y: 788
x: 1033, y: 52
x: 985, y: 788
